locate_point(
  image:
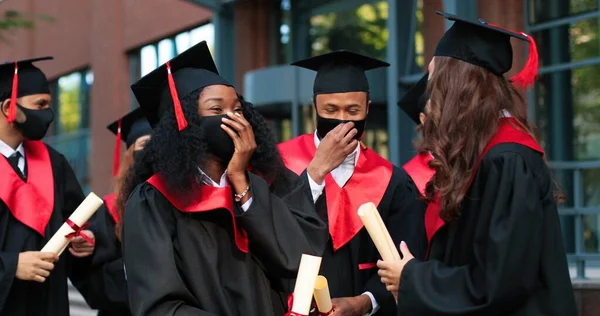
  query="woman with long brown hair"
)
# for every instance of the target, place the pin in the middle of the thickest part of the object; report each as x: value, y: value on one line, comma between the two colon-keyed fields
x: 495, y: 244
x: 106, y: 287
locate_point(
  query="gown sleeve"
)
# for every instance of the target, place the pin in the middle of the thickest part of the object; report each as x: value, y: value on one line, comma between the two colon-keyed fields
x: 503, y: 270
x: 77, y: 268
x: 154, y: 284
x: 405, y: 222
x: 8, y: 270
x: 282, y: 224
x: 105, y: 287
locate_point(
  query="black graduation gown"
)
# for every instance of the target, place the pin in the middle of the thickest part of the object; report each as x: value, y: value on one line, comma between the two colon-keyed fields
x: 30, y: 298
x: 403, y: 214
x: 504, y: 255
x: 188, y: 264
x: 105, y: 289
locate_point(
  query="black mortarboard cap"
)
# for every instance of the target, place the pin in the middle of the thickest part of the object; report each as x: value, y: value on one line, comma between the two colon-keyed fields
x: 414, y: 100
x: 133, y: 126
x: 21, y: 78
x: 166, y: 85
x: 128, y: 128
x: 340, y: 71
x: 486, y: 45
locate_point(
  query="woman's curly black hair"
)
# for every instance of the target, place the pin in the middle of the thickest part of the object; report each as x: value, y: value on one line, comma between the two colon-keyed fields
x: 176, y: 155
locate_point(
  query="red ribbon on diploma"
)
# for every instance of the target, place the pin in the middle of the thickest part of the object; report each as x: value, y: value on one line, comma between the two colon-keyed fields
x: 328, y: 313
x: 77, y: 231
x: 290, y: 304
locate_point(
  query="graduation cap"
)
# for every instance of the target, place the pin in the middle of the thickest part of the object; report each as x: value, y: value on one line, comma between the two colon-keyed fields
x: 340, y: 71
x: 163, y: 87
x: 414, y: 101
x: 128, y: 128
x: 33, y: 81
x: 487, y: 45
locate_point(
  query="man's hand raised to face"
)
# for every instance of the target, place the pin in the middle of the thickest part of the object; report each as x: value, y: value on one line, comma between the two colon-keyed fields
x: 334, y: 148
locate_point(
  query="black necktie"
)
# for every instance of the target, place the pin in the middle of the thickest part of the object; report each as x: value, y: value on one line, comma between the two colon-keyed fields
x: 14, y: 162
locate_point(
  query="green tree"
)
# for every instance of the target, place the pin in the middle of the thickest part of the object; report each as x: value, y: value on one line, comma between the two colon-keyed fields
x: 362, y: 29
x: 12, y: 20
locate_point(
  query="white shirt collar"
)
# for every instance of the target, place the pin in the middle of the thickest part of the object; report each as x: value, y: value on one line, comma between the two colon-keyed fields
x: 7, y: 151
x: 355, y: 153
x: 205, y: 179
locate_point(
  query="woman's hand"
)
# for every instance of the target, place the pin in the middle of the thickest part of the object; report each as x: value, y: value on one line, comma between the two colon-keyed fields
x: 242, y: 135
x: 80, y: 248
x: 390, y: 271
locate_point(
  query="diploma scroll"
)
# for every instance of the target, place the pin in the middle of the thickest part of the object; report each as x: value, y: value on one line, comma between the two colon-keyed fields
x: 322, y: 296
x: 305, y: 284
x: 379, y: 234
x: 61, y: 239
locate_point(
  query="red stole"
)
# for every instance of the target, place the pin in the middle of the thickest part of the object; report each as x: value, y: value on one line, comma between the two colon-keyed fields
x: 419, y: 171
x: 111, y: 204
x: 31, y: 202
x: 368, y: 183
x: 508, y: 132
x: 204, y: 198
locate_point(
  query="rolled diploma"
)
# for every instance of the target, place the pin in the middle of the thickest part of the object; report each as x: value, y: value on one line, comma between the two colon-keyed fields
x: 379, y: 234
x: 58, y: 243
x: 322, y: 296
x: 305, y: 283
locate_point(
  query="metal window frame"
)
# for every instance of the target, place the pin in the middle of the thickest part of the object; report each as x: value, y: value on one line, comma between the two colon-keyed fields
x: 579, y: 210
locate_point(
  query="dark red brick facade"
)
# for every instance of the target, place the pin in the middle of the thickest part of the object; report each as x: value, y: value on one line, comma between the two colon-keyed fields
x: 98, y: 34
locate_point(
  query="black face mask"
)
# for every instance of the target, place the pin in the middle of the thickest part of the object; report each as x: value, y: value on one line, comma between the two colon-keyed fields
x: 219, y: 142
x: 36, y: 122
x: 325, y: 125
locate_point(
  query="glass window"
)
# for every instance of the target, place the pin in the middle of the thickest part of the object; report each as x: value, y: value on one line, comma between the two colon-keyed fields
x: 284, y: 51
x: 182, y: 42
x: 566, y: 105
x: 69, y: 107
x: 567, y: 43
x: 544, y: 10
x: 166, y: 51
x: 361, y: 29
x: 151, y: 56
x: 148, y: 59
x: 419, y: 37
x: 206, y: 33
x: 71, y: 134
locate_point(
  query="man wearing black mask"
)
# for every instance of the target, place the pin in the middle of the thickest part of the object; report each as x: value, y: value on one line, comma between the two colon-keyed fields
x: 342, y: 174
x: 38, y: 192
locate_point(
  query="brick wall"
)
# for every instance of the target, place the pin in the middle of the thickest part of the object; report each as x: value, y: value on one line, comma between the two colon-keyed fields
x: 587, y: 296
x: 98, y: 34
x: 251, y: 36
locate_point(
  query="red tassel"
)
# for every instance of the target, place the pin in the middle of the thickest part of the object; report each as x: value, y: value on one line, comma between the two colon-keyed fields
x: 117, y: 153
x: 529, y: 73
x: 181, y: 121
x: 12, y: 107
